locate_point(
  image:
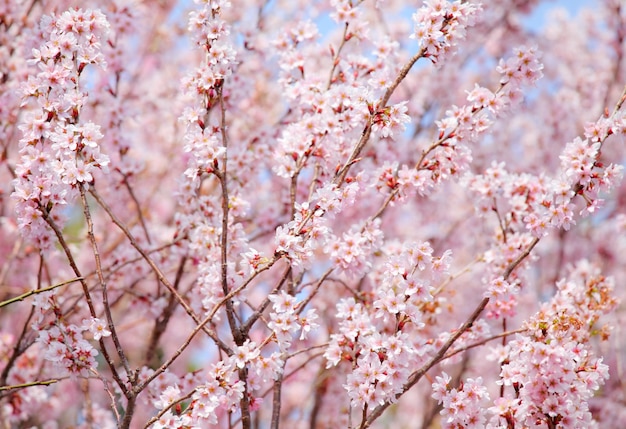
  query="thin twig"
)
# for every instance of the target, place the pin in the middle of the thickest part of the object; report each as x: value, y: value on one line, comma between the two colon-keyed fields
x: 38, y: 291
x: 166, y: 409
x: 245, y: 328
x: 142, y: 220
x: 483, y: 342
x: 337, y: 53
x: 29, y: 384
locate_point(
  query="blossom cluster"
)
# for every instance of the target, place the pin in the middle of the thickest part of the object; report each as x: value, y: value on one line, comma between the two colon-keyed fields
x: 58, y: 152
x: 308, y: 231
x: 541, y: 203
x: 450, y: 156
x: 204, y: 89
x: 211, y: 392
x: 221, y: 389
x: 552, y: 370
x: 385, y: 339
x: 63, y: 344
x: 381, y: 362
x: 440, y: 25
x: 463, y: 406
x: 287, y: 320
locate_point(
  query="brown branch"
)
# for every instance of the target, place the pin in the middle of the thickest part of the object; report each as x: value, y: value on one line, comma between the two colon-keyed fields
x: 367, y: 130
x: 245, y: 328
x: 230, y: 308
x: 103, y: 284
x: 155, y: 268
x: 87, y: 294
x: 161, y: 323
x: 142, y: 220
x: 223, y: 179
x: 316, y: 288
x: 276, y: 398
x: 18, y: 349
x: 520, y: 258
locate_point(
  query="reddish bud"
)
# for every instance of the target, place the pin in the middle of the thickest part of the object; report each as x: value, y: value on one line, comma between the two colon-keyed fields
x: 401, y: 325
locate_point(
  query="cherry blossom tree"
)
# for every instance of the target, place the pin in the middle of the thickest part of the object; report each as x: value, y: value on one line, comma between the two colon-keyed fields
x: 312, y: 214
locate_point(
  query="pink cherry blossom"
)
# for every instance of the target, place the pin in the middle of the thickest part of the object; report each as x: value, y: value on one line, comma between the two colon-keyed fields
x: 343, y: 213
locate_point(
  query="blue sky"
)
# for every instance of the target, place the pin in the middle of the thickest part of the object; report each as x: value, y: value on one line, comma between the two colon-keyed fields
x: 538, y: 16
